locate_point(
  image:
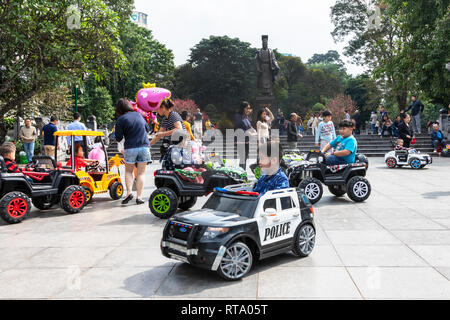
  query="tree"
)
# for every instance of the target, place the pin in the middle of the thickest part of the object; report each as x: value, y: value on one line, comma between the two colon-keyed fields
x: 39, y: 51
x: 331, y: 57
x: 338, y: 105
x: 300, y: 87
x: 318, y: 107
x: 184, y: 85
x: 382, y: 47
x: 365, y: 93
x: 407, y: 51
x: 185, y: 105
x: 223, y: 72
x: 148, y: 61
x: 97, y: 101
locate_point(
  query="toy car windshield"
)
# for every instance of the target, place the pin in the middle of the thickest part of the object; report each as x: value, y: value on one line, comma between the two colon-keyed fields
x: 242, y: 205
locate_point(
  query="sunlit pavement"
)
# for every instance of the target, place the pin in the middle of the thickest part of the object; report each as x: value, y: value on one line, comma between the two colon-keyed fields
x: 396, y: 245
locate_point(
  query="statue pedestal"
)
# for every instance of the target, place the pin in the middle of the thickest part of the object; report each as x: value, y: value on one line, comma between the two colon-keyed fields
x: 266, y: 102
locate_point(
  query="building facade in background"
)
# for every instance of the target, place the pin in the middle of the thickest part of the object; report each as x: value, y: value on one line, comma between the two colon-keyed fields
x: 139, y: 18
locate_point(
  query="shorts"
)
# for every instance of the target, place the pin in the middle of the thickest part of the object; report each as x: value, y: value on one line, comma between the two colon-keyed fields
x: 49, y: 150
x: 135, y: 155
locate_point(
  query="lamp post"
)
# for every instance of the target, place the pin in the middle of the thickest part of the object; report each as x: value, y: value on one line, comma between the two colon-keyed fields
x: 76, y: 98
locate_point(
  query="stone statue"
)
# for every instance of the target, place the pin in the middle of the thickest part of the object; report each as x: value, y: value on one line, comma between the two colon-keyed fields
x: 266, y: 68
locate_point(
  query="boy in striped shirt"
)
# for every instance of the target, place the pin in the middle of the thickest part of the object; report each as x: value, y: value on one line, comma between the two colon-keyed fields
x: 325, y: 131
x: 8, y: 152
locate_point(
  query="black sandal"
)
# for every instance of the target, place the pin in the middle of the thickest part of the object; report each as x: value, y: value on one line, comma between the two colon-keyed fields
x: 127, y: 199
x: 140, y: 201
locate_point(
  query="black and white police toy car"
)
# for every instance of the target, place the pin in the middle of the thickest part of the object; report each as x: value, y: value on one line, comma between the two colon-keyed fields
x: 413, y: 158
x: 235, y: 228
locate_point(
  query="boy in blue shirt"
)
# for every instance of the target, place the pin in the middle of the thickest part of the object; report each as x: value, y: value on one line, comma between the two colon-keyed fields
x: 345, y: 145
x: 272, y: 178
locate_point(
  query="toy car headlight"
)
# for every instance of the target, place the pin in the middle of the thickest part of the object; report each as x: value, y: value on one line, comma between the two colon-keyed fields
x: 211, y: 233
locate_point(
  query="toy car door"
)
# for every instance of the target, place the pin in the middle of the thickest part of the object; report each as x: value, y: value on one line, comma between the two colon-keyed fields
x: 274, y: 223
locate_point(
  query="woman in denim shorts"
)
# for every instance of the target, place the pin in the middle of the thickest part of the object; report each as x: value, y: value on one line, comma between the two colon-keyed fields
x: 132, y: 126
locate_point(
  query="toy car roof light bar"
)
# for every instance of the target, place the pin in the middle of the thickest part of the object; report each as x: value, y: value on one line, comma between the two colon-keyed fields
x: 240, y: 192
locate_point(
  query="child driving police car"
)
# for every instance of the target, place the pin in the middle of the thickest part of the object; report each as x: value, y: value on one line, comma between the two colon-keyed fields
x: 273, y: 177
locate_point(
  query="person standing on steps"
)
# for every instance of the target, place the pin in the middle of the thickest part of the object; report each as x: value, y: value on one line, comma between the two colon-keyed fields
x: 28, y: 135
x: 49, y: 139
x: 76, y: 125
x: 241, y: 121
x: 357, y: 119
x: 416, y: 108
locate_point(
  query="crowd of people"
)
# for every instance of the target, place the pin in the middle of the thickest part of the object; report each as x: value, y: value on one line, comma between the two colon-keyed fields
x: 133, y: 131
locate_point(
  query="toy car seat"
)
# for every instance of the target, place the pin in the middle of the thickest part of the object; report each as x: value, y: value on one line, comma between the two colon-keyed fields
x: 3, y: 168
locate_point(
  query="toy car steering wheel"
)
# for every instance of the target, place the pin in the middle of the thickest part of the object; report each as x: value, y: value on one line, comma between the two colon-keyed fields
x: 315, y: 154
x: 32, y: 165
x: 94, y: 166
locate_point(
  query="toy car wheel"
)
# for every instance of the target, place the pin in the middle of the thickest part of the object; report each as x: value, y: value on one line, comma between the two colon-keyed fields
x: 236, y: 262
x: 312, y: 188
x: 304, y: 240
x: 89, y: 194
x: 415, y: 163
x: 14, y: 207
x: 73, y: 199
x: 391, y: 162
x: 188, y: 203
x: 44, y: 203
x: 358, y: 189
x: 338, y: 190
x: 163, y: 203
x: 116, y: 190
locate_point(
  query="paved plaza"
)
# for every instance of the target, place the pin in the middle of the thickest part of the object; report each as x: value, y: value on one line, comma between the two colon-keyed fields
x: 396, y: 245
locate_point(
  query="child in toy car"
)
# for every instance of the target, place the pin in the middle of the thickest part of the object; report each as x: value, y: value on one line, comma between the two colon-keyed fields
x: 273, y: 177
x: 80, y: 161
x: 345, y: 145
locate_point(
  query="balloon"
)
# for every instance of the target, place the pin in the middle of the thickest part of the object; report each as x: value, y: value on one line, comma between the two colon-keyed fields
x: 149, y: 99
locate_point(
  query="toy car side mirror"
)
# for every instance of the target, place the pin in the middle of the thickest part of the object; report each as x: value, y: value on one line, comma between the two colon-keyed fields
x: 270, y: 212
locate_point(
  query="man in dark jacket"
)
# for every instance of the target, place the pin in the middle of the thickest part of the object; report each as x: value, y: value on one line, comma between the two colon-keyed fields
x: 416, y: 108
x: 357, y: 119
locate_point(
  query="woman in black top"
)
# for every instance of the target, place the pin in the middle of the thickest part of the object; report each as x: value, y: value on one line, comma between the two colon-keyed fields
x: 405, y: 131
x: 171, y: 123
x: 241, y: 121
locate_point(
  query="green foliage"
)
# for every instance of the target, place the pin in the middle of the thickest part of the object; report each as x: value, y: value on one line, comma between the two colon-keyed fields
x: 224, y: 124
x: 366, y: 95
x: 9, y: 121
x: 39, y: 51
x: 184, y: 85
x: 97, y: 101
x: 408, y: 51
x: 148, y: 61
x: 300, y: 87
x: 332, y: 57
x: 318, y: 107
x: 212, y: 113
x: 223, y: 72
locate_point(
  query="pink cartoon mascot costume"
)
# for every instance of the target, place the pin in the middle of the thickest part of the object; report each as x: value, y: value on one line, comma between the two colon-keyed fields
x: 149, y: 99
